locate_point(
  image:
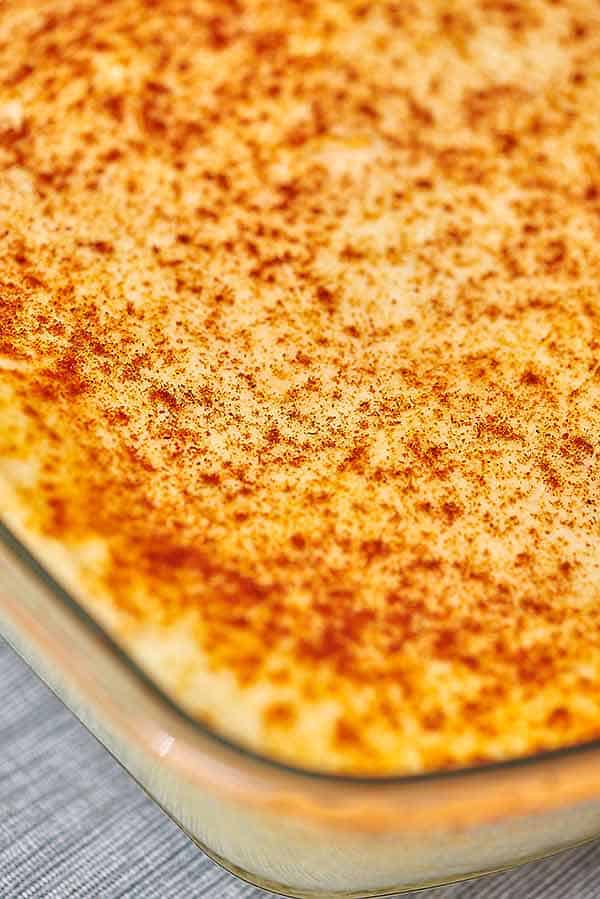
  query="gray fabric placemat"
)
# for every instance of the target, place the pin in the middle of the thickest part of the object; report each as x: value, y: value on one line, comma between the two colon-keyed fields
x: 72, y: 823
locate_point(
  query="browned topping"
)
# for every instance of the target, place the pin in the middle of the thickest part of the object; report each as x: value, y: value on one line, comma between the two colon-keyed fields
x: 299, y: 335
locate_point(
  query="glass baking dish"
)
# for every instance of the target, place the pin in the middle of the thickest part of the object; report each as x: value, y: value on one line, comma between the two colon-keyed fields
x: 299, y: 833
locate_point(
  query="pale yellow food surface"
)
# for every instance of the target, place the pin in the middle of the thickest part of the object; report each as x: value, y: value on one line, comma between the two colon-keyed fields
x: 300, y: 360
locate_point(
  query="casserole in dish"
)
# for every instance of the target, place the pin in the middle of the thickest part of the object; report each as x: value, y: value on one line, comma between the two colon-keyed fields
x: 299, y: 397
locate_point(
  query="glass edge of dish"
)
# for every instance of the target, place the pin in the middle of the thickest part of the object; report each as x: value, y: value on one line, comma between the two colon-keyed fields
x: 21, y: 553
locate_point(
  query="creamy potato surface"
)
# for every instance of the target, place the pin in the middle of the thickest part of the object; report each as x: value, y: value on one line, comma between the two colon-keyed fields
x: 300, y: 360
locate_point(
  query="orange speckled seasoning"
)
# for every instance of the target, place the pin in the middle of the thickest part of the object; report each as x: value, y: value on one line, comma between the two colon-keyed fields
x: 299, y: 360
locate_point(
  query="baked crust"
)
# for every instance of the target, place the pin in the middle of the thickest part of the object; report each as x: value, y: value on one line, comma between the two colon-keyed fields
x: 299, y: 327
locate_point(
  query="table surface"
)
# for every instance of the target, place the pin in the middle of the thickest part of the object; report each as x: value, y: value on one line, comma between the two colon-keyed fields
x: 73, y: 823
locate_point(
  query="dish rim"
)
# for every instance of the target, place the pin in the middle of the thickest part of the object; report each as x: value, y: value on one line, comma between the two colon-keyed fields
x: 23, y: 555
